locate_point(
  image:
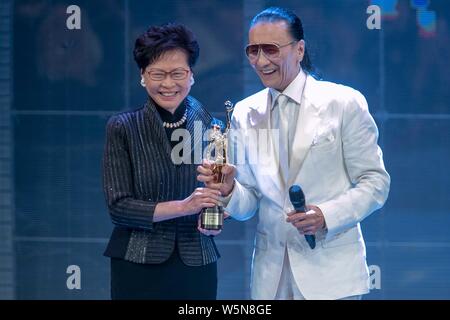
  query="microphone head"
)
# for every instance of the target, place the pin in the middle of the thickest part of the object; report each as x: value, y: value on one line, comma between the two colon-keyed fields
x: 297, y: 196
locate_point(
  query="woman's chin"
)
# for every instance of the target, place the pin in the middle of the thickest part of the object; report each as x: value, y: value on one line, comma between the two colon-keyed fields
x: 169, y: 104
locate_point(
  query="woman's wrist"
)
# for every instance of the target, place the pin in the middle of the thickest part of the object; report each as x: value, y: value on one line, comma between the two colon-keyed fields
x: 180, y: 207
x: 169, y: 210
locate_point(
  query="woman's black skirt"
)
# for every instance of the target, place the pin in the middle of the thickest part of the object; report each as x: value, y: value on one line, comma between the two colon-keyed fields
x: 170, y: 280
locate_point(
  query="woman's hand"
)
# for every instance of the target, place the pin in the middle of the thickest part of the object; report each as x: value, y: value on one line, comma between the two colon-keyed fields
x: 207, y: 176
x: 199, y: 199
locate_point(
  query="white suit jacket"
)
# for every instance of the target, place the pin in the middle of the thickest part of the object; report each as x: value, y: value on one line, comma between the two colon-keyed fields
x: 336, y: 160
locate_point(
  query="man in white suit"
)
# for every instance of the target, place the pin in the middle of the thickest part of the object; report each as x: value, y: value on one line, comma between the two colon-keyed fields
x: 323, y: 139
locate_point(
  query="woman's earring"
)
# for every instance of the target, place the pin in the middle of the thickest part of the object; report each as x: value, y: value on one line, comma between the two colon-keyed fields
x: 192, y: 81
x: 143, y: 82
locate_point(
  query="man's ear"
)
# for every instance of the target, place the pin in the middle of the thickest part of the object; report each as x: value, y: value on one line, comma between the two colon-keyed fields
x: 301, y: 49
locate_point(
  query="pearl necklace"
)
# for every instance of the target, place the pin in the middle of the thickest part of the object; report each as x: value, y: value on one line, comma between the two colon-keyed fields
x: 176, y: 124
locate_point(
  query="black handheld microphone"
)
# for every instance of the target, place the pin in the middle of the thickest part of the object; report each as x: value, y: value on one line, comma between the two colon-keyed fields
x: 298, y: 201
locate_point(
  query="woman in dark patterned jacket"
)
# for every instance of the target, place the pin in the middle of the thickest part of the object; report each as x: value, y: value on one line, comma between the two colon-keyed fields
x: 156, y: 250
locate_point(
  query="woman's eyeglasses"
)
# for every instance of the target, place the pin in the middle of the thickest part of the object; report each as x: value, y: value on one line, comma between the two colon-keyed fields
x: 159, y: 75
x: 270, y: 50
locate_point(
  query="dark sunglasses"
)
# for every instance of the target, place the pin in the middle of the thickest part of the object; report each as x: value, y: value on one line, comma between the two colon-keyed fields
x: 270, y: 50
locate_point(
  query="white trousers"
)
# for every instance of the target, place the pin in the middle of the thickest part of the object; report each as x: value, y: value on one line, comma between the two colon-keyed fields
x: 287, y: 287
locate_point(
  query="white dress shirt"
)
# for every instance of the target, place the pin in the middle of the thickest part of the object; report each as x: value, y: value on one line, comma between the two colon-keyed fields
x: 285, y: 107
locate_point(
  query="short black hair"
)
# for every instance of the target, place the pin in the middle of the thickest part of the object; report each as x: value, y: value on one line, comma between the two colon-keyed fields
x: 276, y: 14
x: 162, y: 38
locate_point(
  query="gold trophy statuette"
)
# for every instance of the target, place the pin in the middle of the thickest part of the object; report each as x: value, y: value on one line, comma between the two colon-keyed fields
x: 216, y: 154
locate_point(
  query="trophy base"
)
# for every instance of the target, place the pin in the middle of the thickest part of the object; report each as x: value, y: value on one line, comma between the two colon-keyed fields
x: 212, y: 218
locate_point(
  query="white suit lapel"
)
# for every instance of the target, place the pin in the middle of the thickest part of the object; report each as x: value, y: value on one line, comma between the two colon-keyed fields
x: 308, y: 120
x: 260, y: 118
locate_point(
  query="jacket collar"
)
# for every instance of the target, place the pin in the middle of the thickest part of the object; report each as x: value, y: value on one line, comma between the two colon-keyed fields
x: 194, y: 124
x: 307, y: 122
x: 294, y: 90
x: 311, y: 96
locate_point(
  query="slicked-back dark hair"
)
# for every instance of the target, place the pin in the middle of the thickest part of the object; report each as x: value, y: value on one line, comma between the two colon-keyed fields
x: 159, y: 39
x: 276, y: 14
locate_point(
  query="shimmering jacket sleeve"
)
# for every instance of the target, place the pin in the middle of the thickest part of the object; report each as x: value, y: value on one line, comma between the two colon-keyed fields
x: 124, y: 208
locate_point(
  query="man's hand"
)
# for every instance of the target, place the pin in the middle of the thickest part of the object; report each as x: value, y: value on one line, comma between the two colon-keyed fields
x: 307, y: 223
x: 207, y: 176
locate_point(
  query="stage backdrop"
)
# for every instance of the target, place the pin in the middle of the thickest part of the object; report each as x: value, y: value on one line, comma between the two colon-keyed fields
x: 59, y: 85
